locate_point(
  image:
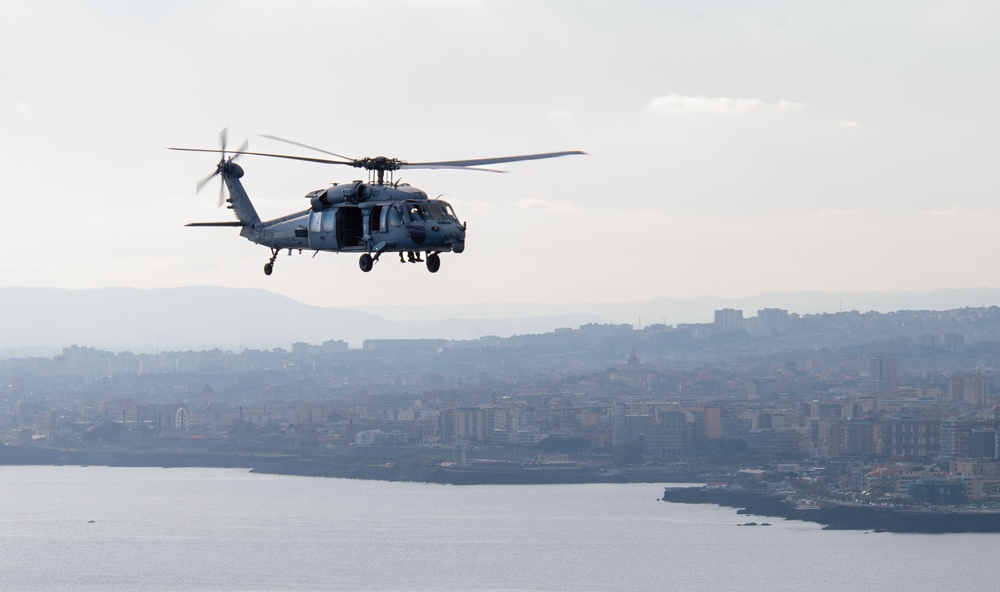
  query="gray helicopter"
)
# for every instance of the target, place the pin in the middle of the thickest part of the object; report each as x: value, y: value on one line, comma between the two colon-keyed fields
x: 380, y: 216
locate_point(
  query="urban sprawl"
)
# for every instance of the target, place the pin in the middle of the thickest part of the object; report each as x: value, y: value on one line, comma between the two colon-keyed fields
x: 897, y: 408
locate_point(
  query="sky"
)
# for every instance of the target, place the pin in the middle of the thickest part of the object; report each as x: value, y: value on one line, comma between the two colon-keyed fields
x: 734, y: 148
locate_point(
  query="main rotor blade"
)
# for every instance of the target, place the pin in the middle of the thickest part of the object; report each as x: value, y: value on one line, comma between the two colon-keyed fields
x: 306, y: 146
x: 305, y: 158
x: 479, y: 161
x: 219, y: 224
x: 445, y: 166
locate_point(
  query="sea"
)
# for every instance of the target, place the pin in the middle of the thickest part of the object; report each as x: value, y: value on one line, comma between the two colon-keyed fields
x: 158, y: 529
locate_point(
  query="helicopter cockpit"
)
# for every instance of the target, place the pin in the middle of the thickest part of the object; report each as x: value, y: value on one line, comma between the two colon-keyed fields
x: 434, y: 211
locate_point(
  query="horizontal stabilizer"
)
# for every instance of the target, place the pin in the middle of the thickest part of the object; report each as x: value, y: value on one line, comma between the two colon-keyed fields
x: 236, y: 223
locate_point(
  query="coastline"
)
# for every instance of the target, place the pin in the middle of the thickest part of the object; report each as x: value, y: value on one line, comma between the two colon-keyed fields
x: 344, y: 467
x: 841, y: 517
x: 831, y: 515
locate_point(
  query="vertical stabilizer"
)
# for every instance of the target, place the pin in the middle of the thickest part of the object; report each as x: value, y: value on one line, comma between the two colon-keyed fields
x: 238, y: 199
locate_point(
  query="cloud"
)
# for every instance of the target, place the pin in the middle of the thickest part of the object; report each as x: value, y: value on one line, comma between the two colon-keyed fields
x: 21, y: 107
x: 850, y: 124
x: 533, y: 203
x: 831, y: 212
x: 952, y: 212
x: 559, y: 115
x: 783, y: 105
x: 675, y: 103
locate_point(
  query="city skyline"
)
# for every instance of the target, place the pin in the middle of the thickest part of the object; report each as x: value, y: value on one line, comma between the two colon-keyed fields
x: 874, y: 389
x: 199, y: 317
x: 733, y: 150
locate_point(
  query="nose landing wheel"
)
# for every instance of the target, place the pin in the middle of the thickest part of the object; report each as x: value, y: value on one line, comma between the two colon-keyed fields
x: 433, y: 262
x: 366, y: 263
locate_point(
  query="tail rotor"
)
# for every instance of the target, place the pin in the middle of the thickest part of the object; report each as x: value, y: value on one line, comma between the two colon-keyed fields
x: 223, y: 162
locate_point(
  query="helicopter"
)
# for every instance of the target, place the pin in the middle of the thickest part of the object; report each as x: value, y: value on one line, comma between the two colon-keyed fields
x: 375, y: 217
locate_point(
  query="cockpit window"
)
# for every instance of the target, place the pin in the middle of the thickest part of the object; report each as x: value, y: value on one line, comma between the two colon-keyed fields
x: 439, y: 210
x: 395, y: 219
x: 432, y: 210
x: 416, y: 212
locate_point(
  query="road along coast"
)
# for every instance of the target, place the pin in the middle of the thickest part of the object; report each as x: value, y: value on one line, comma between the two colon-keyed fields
x: 834, y: 516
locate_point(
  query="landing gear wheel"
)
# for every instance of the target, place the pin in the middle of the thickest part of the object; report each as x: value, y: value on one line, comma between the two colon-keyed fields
x: 433, y: 262
x: 269, y: 266
x: 366, y: 263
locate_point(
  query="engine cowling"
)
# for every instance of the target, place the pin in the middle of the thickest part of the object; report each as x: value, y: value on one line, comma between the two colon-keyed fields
x: 352, y: 193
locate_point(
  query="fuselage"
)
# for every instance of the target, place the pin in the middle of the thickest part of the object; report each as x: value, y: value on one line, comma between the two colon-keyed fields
x: 359, y: 217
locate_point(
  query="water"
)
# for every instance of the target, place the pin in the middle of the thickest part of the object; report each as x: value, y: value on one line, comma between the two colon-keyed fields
x: 227, y: 530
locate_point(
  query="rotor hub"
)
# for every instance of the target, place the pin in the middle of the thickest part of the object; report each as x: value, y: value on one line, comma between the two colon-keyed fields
x: 378, y: 163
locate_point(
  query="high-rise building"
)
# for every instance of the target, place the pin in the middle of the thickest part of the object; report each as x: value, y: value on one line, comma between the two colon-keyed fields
x: 970, y: 388
x: 863, y: 438
x: 983, y: 443
x: 883, y: 371
x: 735, y: 428
x: 729, y: 319
x: 956, y: 438
x: 631, y: 428
x: 912, y: 437
x: 770, y: 317
x: 713, y: 419
x: 954, y: 342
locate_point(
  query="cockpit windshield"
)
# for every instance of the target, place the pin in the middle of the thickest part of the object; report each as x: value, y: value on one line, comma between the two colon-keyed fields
x: 431, y: 210
x: 439, y: 210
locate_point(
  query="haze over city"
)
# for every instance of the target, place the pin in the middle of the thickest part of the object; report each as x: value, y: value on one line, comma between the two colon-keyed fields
x: 747, y: 318
x: 733, y: 149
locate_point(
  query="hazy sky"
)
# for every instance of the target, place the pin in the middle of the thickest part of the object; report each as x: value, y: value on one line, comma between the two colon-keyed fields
x: 735, y: 147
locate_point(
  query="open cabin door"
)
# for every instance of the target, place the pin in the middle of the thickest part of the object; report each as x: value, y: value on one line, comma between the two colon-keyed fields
x: 350, y: 227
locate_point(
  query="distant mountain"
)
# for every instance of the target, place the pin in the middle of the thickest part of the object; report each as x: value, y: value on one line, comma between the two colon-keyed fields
x: 672, y: 311
x: 40, y: 321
